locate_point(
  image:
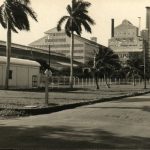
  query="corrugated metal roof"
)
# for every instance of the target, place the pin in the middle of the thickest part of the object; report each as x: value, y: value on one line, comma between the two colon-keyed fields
x: 17, y: 61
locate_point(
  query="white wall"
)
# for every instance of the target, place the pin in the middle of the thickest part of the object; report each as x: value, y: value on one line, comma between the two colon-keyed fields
x: 21, y: 76
x: 1, y: 75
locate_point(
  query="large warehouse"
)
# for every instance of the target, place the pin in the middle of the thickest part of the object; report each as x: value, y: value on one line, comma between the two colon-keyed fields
x: 59, y: 42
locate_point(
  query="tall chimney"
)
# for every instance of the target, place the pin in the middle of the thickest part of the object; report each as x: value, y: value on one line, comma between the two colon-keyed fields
x: 139, y: 29
x: 112, y: 28
x: 147, y: 17
x: 147, y: 50
x: 94, y: 39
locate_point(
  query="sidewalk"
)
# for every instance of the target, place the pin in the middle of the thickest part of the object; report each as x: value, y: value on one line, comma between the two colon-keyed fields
x: 32, y: 102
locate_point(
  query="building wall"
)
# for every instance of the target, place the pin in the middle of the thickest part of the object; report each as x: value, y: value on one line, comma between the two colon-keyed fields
x: 126, y: 40
x: 59, y: 42
x: 90, y: 52
x: 21, y: 76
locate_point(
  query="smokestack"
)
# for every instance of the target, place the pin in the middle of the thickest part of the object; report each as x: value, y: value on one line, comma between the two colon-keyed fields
x: 148, y: 18
x: 139, y: 30
x: 94, y: 39
x: 147, y: 50
x: 112, y: 27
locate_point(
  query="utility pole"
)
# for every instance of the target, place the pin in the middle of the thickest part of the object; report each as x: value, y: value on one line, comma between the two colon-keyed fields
x: 144, y: 55
x: 49, y: 54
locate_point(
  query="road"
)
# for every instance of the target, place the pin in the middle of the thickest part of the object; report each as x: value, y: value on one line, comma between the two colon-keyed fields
x: 121, y: 124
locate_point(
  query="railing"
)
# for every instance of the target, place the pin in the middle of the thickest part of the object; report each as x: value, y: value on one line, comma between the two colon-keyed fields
x: 64, y: 81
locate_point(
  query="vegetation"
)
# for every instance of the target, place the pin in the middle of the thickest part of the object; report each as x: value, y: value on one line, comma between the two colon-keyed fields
x: 76, y: 19
x: 105, y: 63
x: 134, y: 68
x: 13, y: 16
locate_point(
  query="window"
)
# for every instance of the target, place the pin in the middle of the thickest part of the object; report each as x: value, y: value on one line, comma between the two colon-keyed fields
x: 10, y: 74
x: 55, y: 40
x: 34, y: 81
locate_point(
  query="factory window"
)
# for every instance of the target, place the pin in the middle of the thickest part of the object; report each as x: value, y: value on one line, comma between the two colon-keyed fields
x: 57, y: 34
x: 55, y: 40
x: 79, y: 51
x: 66, y: 45
x: 34, y: 81
x: 60, y: 45
x: 78, y: 45
x: 10, y: 74
x: 78, y: 57
x: 64, y: 51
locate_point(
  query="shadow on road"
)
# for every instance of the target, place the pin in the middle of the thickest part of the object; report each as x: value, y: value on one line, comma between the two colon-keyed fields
x: 143, y: 108
x: 64, y: 137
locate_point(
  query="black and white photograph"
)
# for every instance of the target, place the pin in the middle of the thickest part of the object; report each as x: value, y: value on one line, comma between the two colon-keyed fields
x: 74, y: 75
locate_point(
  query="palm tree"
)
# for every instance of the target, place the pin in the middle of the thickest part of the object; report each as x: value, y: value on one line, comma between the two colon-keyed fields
x: 76, y: 19
x: 13, y: 16
x: 134, y: 68
x: 106, y: 61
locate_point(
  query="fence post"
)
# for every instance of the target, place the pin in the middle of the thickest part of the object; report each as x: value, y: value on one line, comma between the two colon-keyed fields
x: 78, y: 82
x: 57, y: 81
x: 74, y: 81
x: 89, y: 82
x: 115, y: 81
x: 93, y: 81
x: 51, y: 82
x: 82, y: 82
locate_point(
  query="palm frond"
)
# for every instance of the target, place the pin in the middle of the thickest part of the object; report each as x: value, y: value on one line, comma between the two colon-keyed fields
x: 69, y: 9
x: 29, y: 10
x: 87, y: 18
x: 16, y: 12
x: 61, y: 21
x: 2, y: 19
x: 77, y: 17
x: 67, y: 28
x: 86, y: 26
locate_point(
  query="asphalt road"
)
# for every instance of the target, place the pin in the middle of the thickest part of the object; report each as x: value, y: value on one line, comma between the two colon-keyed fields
x: 121, y: 124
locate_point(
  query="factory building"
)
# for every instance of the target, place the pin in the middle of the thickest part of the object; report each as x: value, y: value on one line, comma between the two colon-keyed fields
x: 125, y: 40
x: 59, y: 42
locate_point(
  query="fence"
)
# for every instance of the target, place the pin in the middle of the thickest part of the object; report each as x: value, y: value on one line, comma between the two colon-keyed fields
x: 63, y: 81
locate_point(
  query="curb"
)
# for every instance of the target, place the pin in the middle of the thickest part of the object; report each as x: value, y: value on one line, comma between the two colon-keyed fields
x: 46, y: 110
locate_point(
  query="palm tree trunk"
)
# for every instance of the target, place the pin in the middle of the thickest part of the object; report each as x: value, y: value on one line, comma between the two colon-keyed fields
x: 71, y: 59
x: 8, y: 54
x: 133, y: 80
x: 96, y: 80
x: 105, y: 77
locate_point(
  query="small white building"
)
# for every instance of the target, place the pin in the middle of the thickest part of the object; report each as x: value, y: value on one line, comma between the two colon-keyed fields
x: 23, y: 73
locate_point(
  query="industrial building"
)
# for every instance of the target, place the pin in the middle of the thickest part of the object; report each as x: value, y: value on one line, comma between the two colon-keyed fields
x: 22, y: 74
x: 59, y: 42
x: 126, y: 40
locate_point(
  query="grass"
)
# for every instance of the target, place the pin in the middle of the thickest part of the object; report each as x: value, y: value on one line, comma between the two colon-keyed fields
x: 18, y: 99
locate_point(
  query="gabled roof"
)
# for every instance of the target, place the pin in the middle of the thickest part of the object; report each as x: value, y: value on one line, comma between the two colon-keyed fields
x: 53, y: 30
x: 125, y: 24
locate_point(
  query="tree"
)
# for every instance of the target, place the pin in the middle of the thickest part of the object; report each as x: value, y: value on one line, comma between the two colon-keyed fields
x: 13, y: 16
x: 105, y: 63
x: 76, y: 19
x: 134, y: 68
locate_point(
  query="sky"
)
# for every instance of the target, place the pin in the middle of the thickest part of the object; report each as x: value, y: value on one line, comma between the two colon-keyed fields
x: 102, y: 11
